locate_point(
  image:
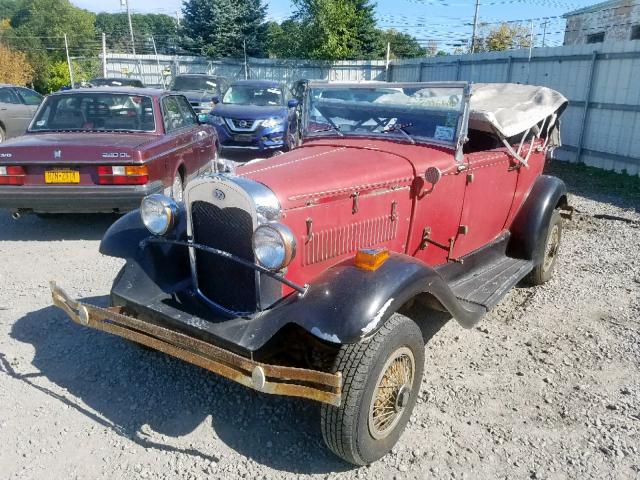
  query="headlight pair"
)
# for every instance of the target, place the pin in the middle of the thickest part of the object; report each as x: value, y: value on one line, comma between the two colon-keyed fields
x: 274, y: 245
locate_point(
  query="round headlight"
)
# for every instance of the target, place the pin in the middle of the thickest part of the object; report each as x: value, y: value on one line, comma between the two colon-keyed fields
x: 274, y: 246
x: 159, y: 213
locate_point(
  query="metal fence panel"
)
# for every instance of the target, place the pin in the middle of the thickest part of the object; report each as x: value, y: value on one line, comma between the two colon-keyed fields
x: 601, y: 126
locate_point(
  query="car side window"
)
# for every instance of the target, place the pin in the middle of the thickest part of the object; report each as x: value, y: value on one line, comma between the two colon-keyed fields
x: 172, y: 114
x: 189, y: 115
x: 7, y: 95
x: 29, y: 97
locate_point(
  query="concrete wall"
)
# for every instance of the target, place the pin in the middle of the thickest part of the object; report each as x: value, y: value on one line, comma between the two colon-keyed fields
x: 616, y: 22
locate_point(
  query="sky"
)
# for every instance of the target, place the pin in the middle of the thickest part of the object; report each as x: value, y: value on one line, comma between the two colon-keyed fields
x: 445, y: 22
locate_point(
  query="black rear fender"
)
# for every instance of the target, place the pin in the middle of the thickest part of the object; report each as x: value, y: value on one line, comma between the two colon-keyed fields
x: 530, y: 225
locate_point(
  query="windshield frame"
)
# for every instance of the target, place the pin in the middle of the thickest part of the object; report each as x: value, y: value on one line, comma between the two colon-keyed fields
x: 461, y: 129
x: 70, y: 93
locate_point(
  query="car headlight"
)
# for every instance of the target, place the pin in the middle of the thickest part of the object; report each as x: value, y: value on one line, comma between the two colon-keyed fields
x: 272, y: 122
x: 159, y: 213
x: 216, y: 120
x: 274, y: 246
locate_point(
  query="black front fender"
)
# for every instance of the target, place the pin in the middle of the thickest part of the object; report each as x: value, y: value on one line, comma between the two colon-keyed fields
x: 347, y: 304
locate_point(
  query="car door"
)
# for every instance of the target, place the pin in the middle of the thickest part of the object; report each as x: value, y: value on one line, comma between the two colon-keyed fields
x: 180, y: 128
x: 491, y: 178
x: 202, y: 135
x: 15, y: 114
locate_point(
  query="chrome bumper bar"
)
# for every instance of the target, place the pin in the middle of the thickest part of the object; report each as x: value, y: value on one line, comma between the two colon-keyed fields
x: 273, y: 379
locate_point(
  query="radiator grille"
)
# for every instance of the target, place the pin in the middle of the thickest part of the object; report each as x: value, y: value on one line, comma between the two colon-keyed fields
x: 223, y: 281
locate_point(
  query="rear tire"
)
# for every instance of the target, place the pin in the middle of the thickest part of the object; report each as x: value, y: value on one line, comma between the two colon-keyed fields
x: 381, y: 382
x: 547, y: 250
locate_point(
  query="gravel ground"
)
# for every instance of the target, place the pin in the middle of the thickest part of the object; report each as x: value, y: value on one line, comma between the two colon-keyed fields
x: 548, y: 385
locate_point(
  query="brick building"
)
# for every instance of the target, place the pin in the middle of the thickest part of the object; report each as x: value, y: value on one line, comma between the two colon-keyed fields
x: 611, y: 21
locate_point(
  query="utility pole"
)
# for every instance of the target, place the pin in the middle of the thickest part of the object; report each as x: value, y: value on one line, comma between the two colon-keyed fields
x: 104, y: 55
x: 544, y: 33
x: 125, y: 3
x: 155, y: 51
x: 475, y: 27
x: 388, y: 61
x: 246, y: 66
x: 66, y: 48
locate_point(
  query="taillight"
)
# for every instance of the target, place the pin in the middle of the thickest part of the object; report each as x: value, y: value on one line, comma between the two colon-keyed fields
x: 123, y: 175
x: 11, y: 175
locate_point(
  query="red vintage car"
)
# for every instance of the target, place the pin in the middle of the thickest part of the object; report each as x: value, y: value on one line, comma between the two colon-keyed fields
x: 104, y: 150
x: 302, y: 274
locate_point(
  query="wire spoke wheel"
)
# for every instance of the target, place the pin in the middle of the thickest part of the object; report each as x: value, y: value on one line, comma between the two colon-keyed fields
x: 552, y: 247
x: 392, y: 393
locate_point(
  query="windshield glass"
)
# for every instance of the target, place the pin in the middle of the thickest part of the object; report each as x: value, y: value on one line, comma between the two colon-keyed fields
x: 205, y: 84
x: 115, y: 82
x: 414, y: 113
x: 95, y: 112
x: 250, y: 95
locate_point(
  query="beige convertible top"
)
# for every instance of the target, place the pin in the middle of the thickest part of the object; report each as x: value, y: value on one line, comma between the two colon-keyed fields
x: 510, y: 108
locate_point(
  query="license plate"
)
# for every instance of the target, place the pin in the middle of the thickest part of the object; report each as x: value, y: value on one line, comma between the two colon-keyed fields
x: 62, y: 176
x: 243, y: 138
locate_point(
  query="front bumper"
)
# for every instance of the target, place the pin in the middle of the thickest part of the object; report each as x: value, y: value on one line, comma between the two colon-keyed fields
x: 262, y: 140
x: 273, y: 379
x: 76, y: 199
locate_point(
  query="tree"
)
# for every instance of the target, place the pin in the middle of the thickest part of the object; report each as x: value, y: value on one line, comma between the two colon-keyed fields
x: 16, y: 69
x: 219, y: 28
x: 8, y: 8
x: 41, y: 25
x: 286, y: 40
x: 339, y: 29
x: 504, y: 37
x: 403, y: 45
x: 115, y: 26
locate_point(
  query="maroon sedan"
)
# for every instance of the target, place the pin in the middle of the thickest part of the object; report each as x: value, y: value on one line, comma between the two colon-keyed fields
x: 104, y: 150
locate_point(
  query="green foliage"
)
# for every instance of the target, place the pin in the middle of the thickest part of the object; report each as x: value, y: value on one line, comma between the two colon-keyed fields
x: 503, y: 37
x: 404, y: 45
x: 339, y: 29
x: 8, y: 8
x: 219, y: 28
x: 57, y: 74
x: 286, y: 40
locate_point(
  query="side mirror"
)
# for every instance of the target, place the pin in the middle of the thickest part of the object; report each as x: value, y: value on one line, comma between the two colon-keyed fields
x: 216, y: 100
x: 203, y: 118
x: 293, y: 103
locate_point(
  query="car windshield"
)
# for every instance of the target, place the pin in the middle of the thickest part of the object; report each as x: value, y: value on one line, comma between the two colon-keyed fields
x: 116, y: 82
x: 252, y: 95
x: 95, y: 112
x: 205, y: 84
x: 414, y: 113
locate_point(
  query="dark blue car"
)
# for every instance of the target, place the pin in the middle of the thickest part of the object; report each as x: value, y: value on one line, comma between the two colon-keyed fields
x: 254, y: 115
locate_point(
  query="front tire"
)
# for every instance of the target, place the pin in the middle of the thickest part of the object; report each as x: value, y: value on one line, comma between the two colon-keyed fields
x: 381, y: 382
x: 548, y: 252
x: 3, y: 135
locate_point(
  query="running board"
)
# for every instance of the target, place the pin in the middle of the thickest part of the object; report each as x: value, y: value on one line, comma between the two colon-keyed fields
x: 487, y: 285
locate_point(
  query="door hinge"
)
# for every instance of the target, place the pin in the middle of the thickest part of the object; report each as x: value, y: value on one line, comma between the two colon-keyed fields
x: 394, y: 211
x: 356, y: 197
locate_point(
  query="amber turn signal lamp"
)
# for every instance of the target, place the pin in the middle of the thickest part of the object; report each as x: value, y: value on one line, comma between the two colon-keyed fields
x: 371, y: 258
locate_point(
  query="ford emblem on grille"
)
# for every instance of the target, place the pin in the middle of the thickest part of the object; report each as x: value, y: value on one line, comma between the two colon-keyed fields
x: 219, y: 194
